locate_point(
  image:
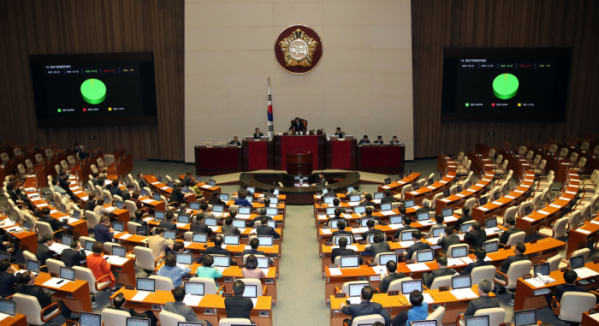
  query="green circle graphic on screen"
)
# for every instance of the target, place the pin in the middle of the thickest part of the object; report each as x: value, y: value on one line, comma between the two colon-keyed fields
x: 505, y: 86
x: 93, y: 91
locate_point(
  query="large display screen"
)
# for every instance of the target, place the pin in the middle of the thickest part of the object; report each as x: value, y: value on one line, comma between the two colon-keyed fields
x: 94, y: 89
x: 505, y: 84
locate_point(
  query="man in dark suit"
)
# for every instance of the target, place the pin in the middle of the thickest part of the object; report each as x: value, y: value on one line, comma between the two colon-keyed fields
x: 337, y: 131
x: 484, y: 301
x: 141, y: 181
x: 168, y: 224
x: 139, y: 218
x: 215, y: 200
x: 379, y: 245
x: 254, y: 244
x: 43, y: 250
x: 297, y: 125
x: 262, y: 213
x: 217, y: 249
x: 338, y: 212
x: 365, y: 307
x: 103, y: 232
x: 90, y: 204
x: 179, y: 308
x: 570, y: 278
x: 480, y: 255
x: 367, y: 201
x: 63, y: 181
x: 14, y: 192
x: 199, y: 226
x: 476, y: 236
x: 7, y: 280
x: 448, y: 240
x: 126, y: 194
x: 464, y: 218
x: 264, y: 229
x: 519, y: 255
x: 343, y: 251
x: 364, y: 140
x: 388, y: 198
x: 235, y: 142
x: 391, y: 276
x: 406, y: 225
x: 73, y: 256
x: 44, y: 298
x: 322, y: 182
x: 119, y: 302
x: 257, y: 133
x: 511, y: 224
x: 428, y: 278
x: 228, y: 227
x: 54, y: 223
x: 237, y: 306
x: 177, y: 195
x: 394, y: 140
x: 371, y: 229
x: 379, y: 140
x: 187, y: 178
x: 418, y: 244
x: 340, y: 231
x: 330, y: 193
x: 95, y: 179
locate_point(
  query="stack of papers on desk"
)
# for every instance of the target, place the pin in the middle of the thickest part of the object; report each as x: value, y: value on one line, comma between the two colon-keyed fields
x: 4, y: 316
x: 584, y: 272
x: 379, y: 269
x: 126, y: 236
x: 406, y: 243
x: 395, y: 226
x: 359, y: 230
x: 385, y: 187
x: 254, y: 231
x: 148, y: 219
x: 427, y: 298
x: 355, y: 300
x: 454, y: 261
x: 241, y: 230
x: 543, y: 212
x: 418, y: 267
x: 496, y: 203
x: 462, y: 294
x: 376, y: 201
x: 433, y: 240
x: 140, y: 296
x: 322, y: 217
x: 427, y: 222
x: 595, y: 316
x: 255, y: 300
x: 326, y: 231
x: 214, y: 228
x: 41, y: 204
x: 467, y: 260
x: 192, y: 300
x: 554, y: 205
x: 53, y: 282
x: 534, y: 282
x: 15, y: 229
x: 206, y: 187
x: 348, y: 247
x: 147, y: 201
x: 445, y: 200
x: 155, y: 183
x: 165, y: 188
x: 460, y: 195
x: 243, y: 216
x: 116, y: 260
x: 58, y: 247
x: 491, y: 231
x: 583, y: 231
x: 450, y: 219
x: 528, y: 219
x: 595, y: 222
x: 180, y: 225
x: 7, y: 223
x: 265, y: 271
x: 30, y: 189
x: 461, y: 236
x: 510, y: 197
x: 354, y: 203
x: 387, y: 213
x: 335, y: 271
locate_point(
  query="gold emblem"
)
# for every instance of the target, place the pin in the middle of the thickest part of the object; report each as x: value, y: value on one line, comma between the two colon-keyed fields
x: 298, y: 49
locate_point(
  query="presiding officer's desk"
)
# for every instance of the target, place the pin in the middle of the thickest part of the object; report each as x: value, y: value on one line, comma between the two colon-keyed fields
x: 211, y: 308
x: 452, y: 305
x: 525, y: 292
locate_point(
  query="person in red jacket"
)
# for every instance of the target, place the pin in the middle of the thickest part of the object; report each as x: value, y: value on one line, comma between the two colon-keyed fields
x: 99, y: 266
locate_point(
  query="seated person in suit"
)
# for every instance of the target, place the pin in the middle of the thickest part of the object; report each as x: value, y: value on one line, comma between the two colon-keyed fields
x: 465, y: 218
x: 519, y: 255
x: 419, y: 311
x: 126, y: 194
x: 158, y: 244
x: 448, y: 240
x: 139, y: 214
x: 297, y: 125
x: 90, y: 204
x: 254, y: 244
x: 480, y: 254
x: 262, y: 212
x: 440, y: 224
x: 388, y: 198
x: 168, y: 224
x: 406, y: 224
x: 179, y: 247
x: 181, y: 309
x: 206, y: 210
x: 173, y: 271
x: 476, y: 235
x: 484, y: 301
x: 99, y: 266
x: 379, y: 245
x: 73, y: 256
x: 177, y: 196
x: 206, y: 270
x: 343, y: 251
x: 115, y: 190
x: 336, y: 203
x: 215, y: 200
x: 96, y: 179
x: 322, y: 182
x: 43, y: 250
x: 199, y: 226
x: 330, y: 193
x: 141, y: 181
x: 418, y: 244
x: 228, y: 227
x: 511, y: 224
x: 187, y: 178
x: 241, y: 201
x: 54, y: 223
x: 8, y: 278
x: 368, y: 201
x: 251, y: 269
x: 218, y: 249
x: 428, y: 278
x: 394, y: 140
x: 364, y: 140
x: 237, y: 306
x: 264, y: 229
x: 379, y: 140
x: 426, y: 206
x: 338, y: 212
x: 27, y: 286
x: 119, y: 302
x: 257, y: 133
x: 235, y: 142
x: 340, y: 231
x: 337, y: 131
x: 365, y: 307
x: 570, y: 277
x: 390, y: 276
x: 371, y: 230
x: 103, y: 232
x: 135, y: 199
x: 57, y: 188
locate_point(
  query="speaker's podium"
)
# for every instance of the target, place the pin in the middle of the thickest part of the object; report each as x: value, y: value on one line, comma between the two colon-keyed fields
x: 299, y: 164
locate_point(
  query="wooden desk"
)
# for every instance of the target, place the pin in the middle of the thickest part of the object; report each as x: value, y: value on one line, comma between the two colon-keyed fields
x: 125, y: 271
x: 211, y: 308
x: 396, y: 186
x: 236, y: 251
x: 458, y: 200
x: 132, y: 241
x: 75, y: 294
x: 381, y: 159
x: 218, y: 160
x: 288, y: 144
x: 121, y: 167
x: 341, y: 154
x: 581, y: 237
x: 27, y: 240
x: 17, y: 320
x: 588, y: 321
x: 257, y: 155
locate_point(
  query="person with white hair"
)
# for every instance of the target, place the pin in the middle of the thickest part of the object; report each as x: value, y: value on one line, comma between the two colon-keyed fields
x: 484, y: 301
x: 426, y: 206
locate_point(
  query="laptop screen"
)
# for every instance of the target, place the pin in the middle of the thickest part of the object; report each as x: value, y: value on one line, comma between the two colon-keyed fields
x: 349, y: 261
x: 183, y: 218
x: 577, y: 261
x: 159, y: 215
x: 119, y: 204
x: 400, y: 176
x: 171, y: 184
x: 218, y: 208
x: 265, y: 240
x: 185, y: 189
x: 76, y: 214
x: 231, y: 239
x: 355, y: 290
x: 263, y: 262
x: 4, y: 255
x: 460, y: 282
x: 527, y: 210
x: 224, y: 197
x: 251, y: 189
x: 67, y: 273
x: 458, y: 252
x: 416, y: 186
x: 387, y: 181
x: 365, y: 220
x: 477, y: 321
x: 184, y: 259
x: 543, y: 269
x: 144, y: 192
x: 156, y: 196
x: 355, y: 198
x: 66, y: 239
x: 491, y: 223
x: 406, y: 236
x: 89, y: 319
x: 251, y: 291
x: 7, y: 307
x: 137, y: 321
x: 337, y: 237
x: 272, y: 211
x: 119, y: 251
x: 430, y: 181
x: 423, y: 216
x: 221, y: 261
x: 272, y: 224
x: 482, y: 201
x: 146, y: 284
x: 465, y: 227
x: 396, y: 219
x: 379, y: 195
x: 328, y: 200
x: 331, y: 210
x: 89, y: 245
x: 384, y: 258
x: 244, y: 210
x: 525, y: 317
x: 33, y: 265
x: 409, y: 203
x: 350, y: 189
x: 170, y: 234
x: 199, y: 237
x: 360, y: 209
x: 212, y: 183
x: 386, y: 207
x: 491, y: 246
x: 118, y: 226
x: 438, y: 232
x: 425, y: 255
x: 239, y: 223
x: 142, y: 230
x: 276, y: 191
x: 273, y: 200
x: 408, y: 287
x: 194, y: 206
x: 194, y: 288
x: 447, y: 211
x: 460, y: 189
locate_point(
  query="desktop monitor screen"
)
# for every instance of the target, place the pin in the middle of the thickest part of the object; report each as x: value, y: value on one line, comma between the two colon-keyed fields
x: 89, y: 319
x: 183, y: 218
x: 438, y: 232
x: 400, y: 176
x: 384, y: 258
x: 146, y: 284
x: 430, y: 181
x: 67, y: 273
x: 156, y: 196
x: 251, y: 291
x: 184, y: 259
x: 76, y: 214
x: 396, y: 219
x: 239, y: 223
x: 170, y: 234
x: 577, y: 261
x: 525, y: 317
x: 171, y: 184
x: 460, y: 189
x: 349, y: 261
x: 543, y: 269
x: 194, y: 288
x: 119, y: 251
x: 33, y: 265
x: 159, y: 215
x: 379, y: 195
x: 460, y: 282
x: 347, y: 237
x: 496, y: 195
x: 194, y: 205
x: 409, y: 203
x: 406, y: 236
x: 425, y: 255
x: 477, y: 321
x: 144, y: 192
x: 244, y: 211
x: 221, y: 261
x: 355, y: 198
x: 491, y: 246
x: 211, y: 221
x: 199, y: 237
x: 265, y: 240
x: 447, y: 211
x: 185, y: 189
x: 224, y: 197
x: 423, y: 216
x: 118, y: 226
x: 458, y: 252
x: 491, y: 223
x: 386, y: 207
x: 273, y: 200
x: 333, y: 222
x: 272, y: 211
x: 276, y: 191
x: 408, y: 287
x: 416, y: 186
x: 131, y: 321
x: 360, y: 209
x: 66, y: 239
x: 218, y: 208
x: 231, y: 239
x: 355, y: 290
x: 328, y: 200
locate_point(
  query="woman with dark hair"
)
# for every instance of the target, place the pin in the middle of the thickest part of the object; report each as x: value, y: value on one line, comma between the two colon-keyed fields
x: 251, y: 269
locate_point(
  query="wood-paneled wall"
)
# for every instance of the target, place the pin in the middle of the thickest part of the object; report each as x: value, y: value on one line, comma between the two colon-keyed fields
x: 439, y: 24
x: 93, y: 26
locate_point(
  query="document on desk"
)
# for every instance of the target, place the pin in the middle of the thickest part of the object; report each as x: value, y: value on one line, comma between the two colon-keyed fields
x: 418, y: 267
x: 53, y: 282
x: 387, y: 213
x: 528, y: 219
x: 214, y: 228
x: 186, y: 244
x: 534, y: 282
x: 147, y: 201
x: 353, y: 247
x: 556, y: 206
x: 140, y: 296
x: 467, y: 260
x: 116, y: 260
x: 8, y: 222
x: 445, y: 200
x: 335, y: 271
x: 265, y: 271
x: 3, y: 316
x: 379, y: 269
x: 595, y: 316
x: 385, y: 187
x: 433, y: 240
x: 192, y: 300
x: 427, y: 222
x: 355, y: 300
x: 584, y: 272
x: 322, y: 217
x: 583, y: 231
x: 58, y: 247
x: 395, y: 226
x: 326, y: 231
x: 126, y: 236
x: 355, y: 203
x: 460, y: 195
x: 510, y: 197
x: 206, y: 187
x: 406, y: 243
x: 254, y: 301
x: 462, y: 294
x: 595, y: 222
x: 454, y: 261
x: 427, y: 298
x: 359, y: 230
x: 449, y: 219
x: 243, y: 216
